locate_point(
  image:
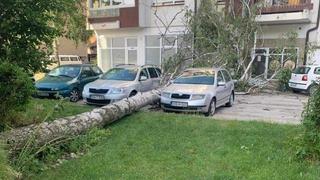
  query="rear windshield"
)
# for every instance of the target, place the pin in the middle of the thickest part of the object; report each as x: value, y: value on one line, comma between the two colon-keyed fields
x: 302, y: 70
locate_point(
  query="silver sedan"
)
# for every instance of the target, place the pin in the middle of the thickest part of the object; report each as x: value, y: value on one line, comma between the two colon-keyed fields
x: 199, y: 90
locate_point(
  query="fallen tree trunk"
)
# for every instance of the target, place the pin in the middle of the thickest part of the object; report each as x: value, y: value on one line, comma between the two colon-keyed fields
x: 49, y: 132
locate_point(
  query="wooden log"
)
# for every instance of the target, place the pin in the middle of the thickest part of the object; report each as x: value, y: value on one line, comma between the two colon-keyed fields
x: 48, y: 132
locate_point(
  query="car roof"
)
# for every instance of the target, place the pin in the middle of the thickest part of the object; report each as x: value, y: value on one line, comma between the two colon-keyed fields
x: 205, y: 69
x: 134, y: 66
x: 77, y: 65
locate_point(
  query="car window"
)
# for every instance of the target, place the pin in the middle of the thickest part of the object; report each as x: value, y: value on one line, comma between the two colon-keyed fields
x: 144, y: 73
x: 158, y: 71
x: 317, y: 70
x: 64, y: 58
x: 73, y: 58
x: 153, y: 73
x: 226, y: 76
x: 121, y: 74
x: 96, y: 70
x: 220, y: 77
x: 66, y: 71
x: 86, y: 71
x: 302, y: 70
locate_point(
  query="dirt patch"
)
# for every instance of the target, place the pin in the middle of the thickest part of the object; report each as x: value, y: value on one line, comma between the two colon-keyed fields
x: 275, y: 108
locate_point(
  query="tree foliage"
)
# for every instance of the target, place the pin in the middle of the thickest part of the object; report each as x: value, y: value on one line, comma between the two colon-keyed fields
x: 28, y: 28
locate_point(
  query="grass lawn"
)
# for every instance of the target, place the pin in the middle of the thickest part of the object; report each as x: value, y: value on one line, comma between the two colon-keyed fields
x: 38, y: 109
x: 170, y: 146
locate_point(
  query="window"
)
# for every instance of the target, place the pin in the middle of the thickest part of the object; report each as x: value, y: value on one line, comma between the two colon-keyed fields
x: 226, y: 76
x: 158, y: 71
x: 64, y: 59
x: 220, y: 77
x: 317, y: 70
x: 302, y: 70
x: 168, y: 2
x: 161, y: 48
x: 73, y: 58
x: 86, y: 72
x: 96, y: 70
x: 144, y: 73
x: 111, y: 3
x: 153, y: 73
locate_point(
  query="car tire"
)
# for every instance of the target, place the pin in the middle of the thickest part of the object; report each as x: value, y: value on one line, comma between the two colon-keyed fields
x: 74, y: 95
x: 312, y: 89
x: 133, y: 93
x: 231, y: 100
x: 212, y: 108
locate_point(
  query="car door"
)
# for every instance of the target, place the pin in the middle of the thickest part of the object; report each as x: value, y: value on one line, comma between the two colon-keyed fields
x: 144, y: 80
x: 317, y: 74
x: 228, y: 81
x: 154, y: 77
x: 86, y: 76
x: 221, y: 92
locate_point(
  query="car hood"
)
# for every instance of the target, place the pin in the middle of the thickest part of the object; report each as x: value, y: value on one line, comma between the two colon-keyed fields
x: 188, y: 88
x: 107, y: 84
x: 56, y: 82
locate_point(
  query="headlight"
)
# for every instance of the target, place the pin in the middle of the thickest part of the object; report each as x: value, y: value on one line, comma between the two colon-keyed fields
x: 117, y: 91
x: 198, y: 96
x: 165, y: 94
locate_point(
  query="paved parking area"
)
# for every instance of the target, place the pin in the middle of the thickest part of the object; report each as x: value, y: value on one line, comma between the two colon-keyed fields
x: 275, y: 108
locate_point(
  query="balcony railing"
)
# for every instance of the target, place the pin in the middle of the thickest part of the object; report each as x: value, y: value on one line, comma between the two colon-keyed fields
x: 286, y: 6
x: 103, y: 13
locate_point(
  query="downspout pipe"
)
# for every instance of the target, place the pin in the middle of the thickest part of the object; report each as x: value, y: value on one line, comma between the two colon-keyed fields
x: 308, y: 37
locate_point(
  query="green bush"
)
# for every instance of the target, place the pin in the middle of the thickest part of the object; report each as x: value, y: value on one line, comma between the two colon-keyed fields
x: 16, y: 88
x: 310, y: 139
x: 283, y: 77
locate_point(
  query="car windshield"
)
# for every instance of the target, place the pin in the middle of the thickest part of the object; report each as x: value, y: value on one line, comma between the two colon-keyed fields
x: 121, y: 74
x: 302, y: 70
x: 196, y: 77
x: 66, y: 71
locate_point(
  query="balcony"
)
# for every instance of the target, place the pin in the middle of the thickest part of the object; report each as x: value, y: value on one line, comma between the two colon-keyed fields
x: 286, y: 6
x: 113, y: 14
x: 285, y: 12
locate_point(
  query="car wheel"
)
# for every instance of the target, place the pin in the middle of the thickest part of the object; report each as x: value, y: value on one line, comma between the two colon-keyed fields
x: 133, y: 93
x: 312, y: 89
x: 74, y: 95
x: 231, y: 100
x: 212, y: 108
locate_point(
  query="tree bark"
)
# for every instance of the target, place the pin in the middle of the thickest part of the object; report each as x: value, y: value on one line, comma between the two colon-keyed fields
x: 49, y: 132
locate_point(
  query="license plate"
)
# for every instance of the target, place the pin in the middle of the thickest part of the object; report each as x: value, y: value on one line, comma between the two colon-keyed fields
x: 293, y: 84
x: 179, y: 104
x: 97, y: 97
x: 42, y: 93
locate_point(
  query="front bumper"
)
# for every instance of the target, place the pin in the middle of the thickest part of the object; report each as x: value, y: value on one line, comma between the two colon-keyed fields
x: 192, y: 105
x: 103, y: 99
x: 63, y: 93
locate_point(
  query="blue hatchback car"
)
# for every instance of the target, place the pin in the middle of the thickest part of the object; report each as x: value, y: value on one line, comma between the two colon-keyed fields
x: 67, y: 81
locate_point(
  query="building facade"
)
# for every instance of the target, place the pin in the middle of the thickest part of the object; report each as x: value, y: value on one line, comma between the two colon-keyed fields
x: 131, y: 31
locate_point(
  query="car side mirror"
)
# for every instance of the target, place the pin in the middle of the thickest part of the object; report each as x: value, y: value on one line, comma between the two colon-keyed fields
x: 221, y: 83
x: 143, y: 78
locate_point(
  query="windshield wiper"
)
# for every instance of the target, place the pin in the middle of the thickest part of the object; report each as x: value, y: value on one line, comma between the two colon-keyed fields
x: 65, y: 75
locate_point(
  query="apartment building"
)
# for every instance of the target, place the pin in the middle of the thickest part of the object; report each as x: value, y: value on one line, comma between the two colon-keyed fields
x: 278, y: 17
x: 129, y: 31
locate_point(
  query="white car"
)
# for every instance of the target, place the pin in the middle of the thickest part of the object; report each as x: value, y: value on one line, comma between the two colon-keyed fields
x: 199, y: 90
x: 305, y: 78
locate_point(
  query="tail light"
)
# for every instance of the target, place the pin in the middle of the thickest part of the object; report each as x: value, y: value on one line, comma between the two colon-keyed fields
x: 305, y: 78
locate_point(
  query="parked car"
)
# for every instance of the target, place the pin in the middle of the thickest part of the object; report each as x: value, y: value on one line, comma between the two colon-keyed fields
x: 305, y: 78
x: 121, y: 82
x: 199, y: 90
x: 67, y: 81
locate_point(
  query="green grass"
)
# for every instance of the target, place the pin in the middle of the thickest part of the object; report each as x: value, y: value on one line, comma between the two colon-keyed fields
x: 5, y: 170
x: 170, y: 146
x: 39, y: 109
